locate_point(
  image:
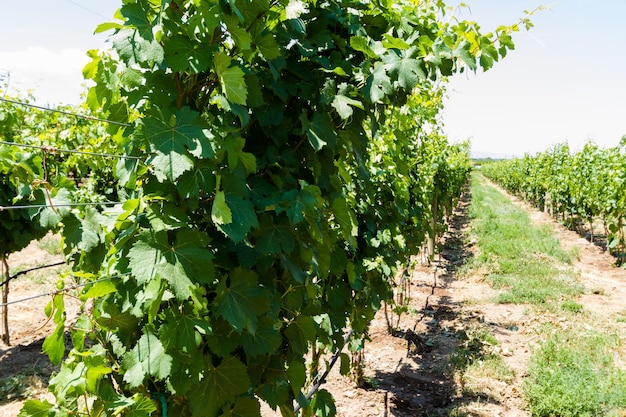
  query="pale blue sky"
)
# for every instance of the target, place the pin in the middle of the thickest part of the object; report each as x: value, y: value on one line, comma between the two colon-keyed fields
x: 566, y: 80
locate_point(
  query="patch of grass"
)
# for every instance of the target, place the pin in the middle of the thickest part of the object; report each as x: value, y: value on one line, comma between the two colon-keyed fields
x: 571, y: 305
x: 51, y: 244
x: 527, y: 262
x: 573, y: 374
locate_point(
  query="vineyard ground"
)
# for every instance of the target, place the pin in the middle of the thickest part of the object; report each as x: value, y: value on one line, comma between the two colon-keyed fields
x: 417, y: 371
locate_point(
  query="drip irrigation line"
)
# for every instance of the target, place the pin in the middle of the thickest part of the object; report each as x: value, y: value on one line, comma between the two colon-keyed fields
x: 80, y: 116
x: 73, y: 287
x: 12, y: 277
x: 55, y: 150
x: 322, y: 379
x: 38, y: 206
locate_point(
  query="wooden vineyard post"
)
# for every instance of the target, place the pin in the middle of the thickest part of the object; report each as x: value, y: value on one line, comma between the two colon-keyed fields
x: 4, y: 309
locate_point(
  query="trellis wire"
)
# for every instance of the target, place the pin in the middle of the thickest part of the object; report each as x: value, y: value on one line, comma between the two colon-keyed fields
x: 63, y: 290
x: 12, y: 277
x: 38, y: 206
x: 80, y: 116
x: 55, y: 150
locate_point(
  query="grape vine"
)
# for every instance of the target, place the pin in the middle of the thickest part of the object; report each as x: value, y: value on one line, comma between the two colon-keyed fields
x: 289, y: 161
x: 576, y: 187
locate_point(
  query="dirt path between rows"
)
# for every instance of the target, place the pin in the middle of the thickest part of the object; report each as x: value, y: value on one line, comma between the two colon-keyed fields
x: 412, y: 372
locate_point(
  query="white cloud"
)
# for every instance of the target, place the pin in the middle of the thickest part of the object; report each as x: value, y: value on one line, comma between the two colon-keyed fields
x: 52, y: 76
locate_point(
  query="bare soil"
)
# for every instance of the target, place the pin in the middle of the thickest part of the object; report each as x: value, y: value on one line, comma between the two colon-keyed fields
x: 409, y: 371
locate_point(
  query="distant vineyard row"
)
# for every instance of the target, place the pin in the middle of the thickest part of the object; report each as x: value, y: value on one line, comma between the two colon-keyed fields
x: 578, y: 187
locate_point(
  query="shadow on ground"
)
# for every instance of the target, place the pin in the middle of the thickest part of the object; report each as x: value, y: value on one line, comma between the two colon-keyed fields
x: 423, y: 383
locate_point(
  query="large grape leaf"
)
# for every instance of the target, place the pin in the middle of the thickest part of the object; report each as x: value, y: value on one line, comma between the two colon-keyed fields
x: 182, y: 264
x: 83, y: 234
x: 344, y: 104
x: 240, y: 300
x: 184, y: 54
x: 320, y: 131
x: 406, y: 67
x: 147, y: 358
x: 378, y: 84
x: 136, y: 16
x: 172, y: 136
x: 244, y: 407
x: 231, y: 78
x: 265, y: 339
x: 221, y: 384
x: 241, y: 209
x: 300, y: 332
x: 135, y: 49
x: 35, y: 408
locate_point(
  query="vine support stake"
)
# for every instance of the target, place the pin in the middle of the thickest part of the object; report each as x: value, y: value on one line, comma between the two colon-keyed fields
x: 4, y: 310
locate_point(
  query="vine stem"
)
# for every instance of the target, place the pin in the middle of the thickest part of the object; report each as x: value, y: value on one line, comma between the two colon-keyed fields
x: 322, y: 379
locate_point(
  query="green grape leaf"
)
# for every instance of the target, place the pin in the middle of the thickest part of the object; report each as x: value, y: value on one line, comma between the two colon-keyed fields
x: 54, y: 345
x: 190, y: 252
x: 135, y: 49
x: 35, y: 408
x: 267, y: 46
x: 172, y: 137
x: 126, y: 171
x: 300, y: 202
x: 69, y: 382
x: 344, y: 104
x: 220, y: 212
x: 300, y: 332
x: 181, y: 264
x: 361, y: 44
x: 240, y: 35
x: 98, y: 289
x: 193, y: 182
x: 406, y: 67
x: 241, y: 300
x: 142, y: 407
x: 320, y: 131
x: 297, y: 376
x: 84, y: 234
x: 220, y: 385
x: 183, y: 54
x: 231, y: 78
x: 234, y: 147
x: 244, y: 407
x: 183, y: 331
x: 275, y: 237
x: 378, y: 84
x: 265, y: 339
x: 146, y: 254
x: 136, y: 16
x: 243, y: 215
x: 323, y: 404
x: 346, y: 219
x: 147, y: 358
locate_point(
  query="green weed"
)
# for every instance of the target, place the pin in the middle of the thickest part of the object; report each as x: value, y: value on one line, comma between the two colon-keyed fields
x: 574, y: 375
x: 571, y: 305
